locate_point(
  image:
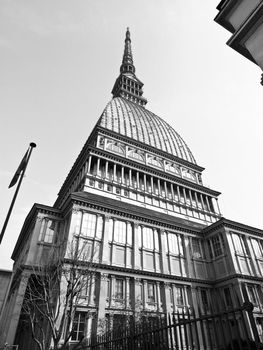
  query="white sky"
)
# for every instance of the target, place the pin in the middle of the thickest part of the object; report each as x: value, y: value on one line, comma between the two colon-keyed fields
x: 59, y: 61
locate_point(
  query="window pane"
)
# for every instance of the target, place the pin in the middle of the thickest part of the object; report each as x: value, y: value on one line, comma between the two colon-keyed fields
x: 120, y: 231
x: 173, y: 243
x: 179, y: 299
x: 150, y: 290
x: 156, y: 239
x: 119, y: 289
x: 99, y: 227
x: 129, y: 234
x: 88, y: 225
x: 196, y: 248
x: 48, y: 238
x: 148, y: 238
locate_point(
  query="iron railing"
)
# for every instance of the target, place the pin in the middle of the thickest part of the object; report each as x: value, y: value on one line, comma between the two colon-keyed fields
x: 186, y: 330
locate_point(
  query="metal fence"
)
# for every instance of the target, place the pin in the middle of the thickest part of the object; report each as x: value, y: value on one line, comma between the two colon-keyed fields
x: 232, y: 330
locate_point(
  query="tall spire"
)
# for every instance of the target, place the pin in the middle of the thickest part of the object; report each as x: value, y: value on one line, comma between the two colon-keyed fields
x: 127, y: 59
x: 127, y: 84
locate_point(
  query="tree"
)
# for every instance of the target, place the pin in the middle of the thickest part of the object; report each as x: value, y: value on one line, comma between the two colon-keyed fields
x: 54, y: 292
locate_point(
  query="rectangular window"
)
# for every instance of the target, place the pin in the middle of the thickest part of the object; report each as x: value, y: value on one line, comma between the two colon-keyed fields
x: 252, y: 294
x: 179, y: 296
x: 227, y: 296
x: 119, y: 288
x: 150, y: 292
x: 217, y: 246
x: 148, y: 238
x: 78, y: 328
x: 47, y: 231
x: 88, y: 225
x: 120, y: 231
x: 204, y: 298
x: 196, y: 248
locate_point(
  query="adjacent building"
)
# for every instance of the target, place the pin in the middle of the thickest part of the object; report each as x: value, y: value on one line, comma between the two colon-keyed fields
x: 135, y: 197
x: 243, y: 18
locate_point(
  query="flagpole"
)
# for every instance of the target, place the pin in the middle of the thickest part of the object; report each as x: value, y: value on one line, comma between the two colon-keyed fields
x: 31, y: 146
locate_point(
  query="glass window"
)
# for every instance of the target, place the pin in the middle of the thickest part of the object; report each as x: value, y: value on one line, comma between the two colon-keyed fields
x: 252, y: 294
x: 78, y: 328
x: 119, y: 288
x: 150, y: 292
x: 88, y: 225
x: 196, y: 248
x: 120, y: 231
x: 148, y: 238
x: 227, y: 296
x: 179, y: 296
x: 257, y: 247
x: 216, y: 243
x: 204, y: 298
x: 175, y: 243
x: 47, y: 231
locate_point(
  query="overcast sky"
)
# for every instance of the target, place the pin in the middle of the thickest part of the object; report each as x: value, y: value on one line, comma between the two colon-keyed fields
x: 59, y: 61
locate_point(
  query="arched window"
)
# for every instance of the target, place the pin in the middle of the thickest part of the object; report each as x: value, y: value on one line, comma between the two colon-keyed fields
x: 135, y: 154
x: 115, y: 147
x: 155, y: 162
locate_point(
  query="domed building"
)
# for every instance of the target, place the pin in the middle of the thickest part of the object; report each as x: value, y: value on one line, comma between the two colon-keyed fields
x: 135, y: 200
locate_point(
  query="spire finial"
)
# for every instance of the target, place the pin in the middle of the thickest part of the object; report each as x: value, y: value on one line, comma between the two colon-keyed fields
x: 127, y: 60
x: 127, y: 84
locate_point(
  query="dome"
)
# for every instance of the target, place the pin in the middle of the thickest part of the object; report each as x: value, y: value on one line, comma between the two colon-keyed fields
x: 135, y: 122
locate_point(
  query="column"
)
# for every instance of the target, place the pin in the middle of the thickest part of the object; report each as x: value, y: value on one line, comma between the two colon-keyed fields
x: 127, y: 290
x: 112, y: 291
x: 163, y: 252
x: 114, y: 172
x: 167, y: 298
x: 189, y: 260
x: 98, y: 167
x: 145, y: 294
x: 186, y: 303
x: 174, y: 298
x: 158, y: 296
x: 138, y: 179
x: 130, y: 177
x: 136, y: 255
x: 165, y: 189
x: 105, y: 256
x: 106, y: 170
x: 202, y: 201
x: 92, y: 289
x: 172, y: 191
x: 208, y: 204
x: 191, y: 199
x: 137, y: 301
x: 152, y: 185
x: 122, y: 175
x: 89, y: 163
x: 159, y: 186
x: 145, y: 182
x: 185, y: 201
x: 102, y: 296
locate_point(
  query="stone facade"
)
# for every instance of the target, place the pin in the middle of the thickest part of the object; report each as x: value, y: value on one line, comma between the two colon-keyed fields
x: 135, y: 199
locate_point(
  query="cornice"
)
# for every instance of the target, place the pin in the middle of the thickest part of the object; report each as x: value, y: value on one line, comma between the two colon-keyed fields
x: 223, y: 222
x: 237, y: 41
x: 225, y: 7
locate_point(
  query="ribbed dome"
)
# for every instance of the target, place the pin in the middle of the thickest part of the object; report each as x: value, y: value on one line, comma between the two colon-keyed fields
x: 136, y: 122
